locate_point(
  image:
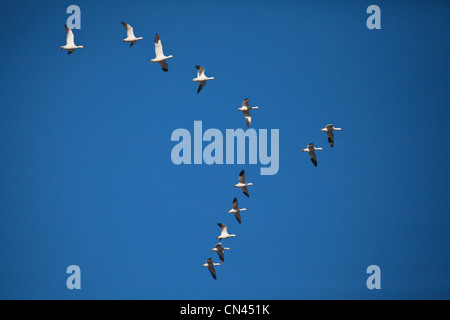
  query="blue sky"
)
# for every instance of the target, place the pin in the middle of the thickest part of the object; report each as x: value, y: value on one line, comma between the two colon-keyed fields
x: 86, y: 175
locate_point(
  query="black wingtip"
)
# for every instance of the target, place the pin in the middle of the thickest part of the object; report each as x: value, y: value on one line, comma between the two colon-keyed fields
x: 314, y: 162
x: 247, y: 194
x: 165, y: 69
x: 242, y: 172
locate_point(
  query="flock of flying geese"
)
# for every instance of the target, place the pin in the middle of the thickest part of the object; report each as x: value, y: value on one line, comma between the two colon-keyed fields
x: 245, y: 108
x: 243, y: 186
x: 161, y: 59
x: 223, y: 228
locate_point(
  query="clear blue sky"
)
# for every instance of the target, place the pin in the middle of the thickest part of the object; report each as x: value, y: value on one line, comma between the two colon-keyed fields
x: 86, y: 176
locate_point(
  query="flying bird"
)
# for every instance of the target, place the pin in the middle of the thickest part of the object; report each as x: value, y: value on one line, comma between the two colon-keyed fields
x: 311, y: 150
x: 160, y: 57
x: 219, y: 249
x: 223, y: 232
x: 242, y: 183
x: 70, y: 44
x: 246, y: 111
x: 201, y: 78
x: 235, y: 209
x: 210, y: 264
x: 329, y: 128
x: 130, y: 34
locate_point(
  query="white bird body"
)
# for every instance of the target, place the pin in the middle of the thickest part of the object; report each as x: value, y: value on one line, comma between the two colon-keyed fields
x: 329, y: 128
x: 245, y: 108
x: 210, y: 264
x: 70, y: 43
x: 130, y: 34
x: 201, y: 78
x: 242, y: 184
x: 236, y: 211
x: 160, y: 57
x: 219, y: 249
x: 311, y: 150
x: 224, y: 232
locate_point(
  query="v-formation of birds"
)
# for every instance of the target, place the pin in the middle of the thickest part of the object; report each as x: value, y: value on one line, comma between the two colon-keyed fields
x: 245, y: 108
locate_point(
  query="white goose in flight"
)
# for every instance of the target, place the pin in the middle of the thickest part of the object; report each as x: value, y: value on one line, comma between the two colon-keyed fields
x: 242, y: 183
x: 246, y: 111
x: 219, y: 249
x: 235, y: 209
x: 210, y: 264
x: 160, y: 57
x: 70, y: 44
x: 223, y: 232
x: 329, y: 128
x: 130, y: 34
x: 201, y: 78
x: 310, y: 149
